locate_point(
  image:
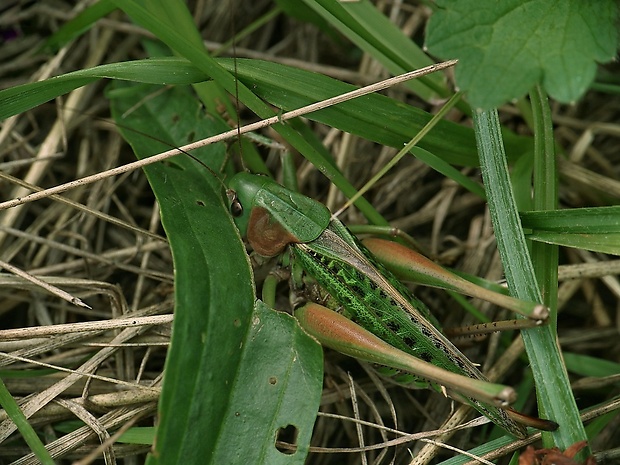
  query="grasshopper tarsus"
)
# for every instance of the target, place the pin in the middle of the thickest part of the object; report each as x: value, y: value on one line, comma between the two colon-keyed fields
x: 507, y: 397
x: 540, y: 313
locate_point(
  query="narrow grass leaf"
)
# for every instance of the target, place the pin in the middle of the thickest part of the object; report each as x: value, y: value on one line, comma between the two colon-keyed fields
x: 604, y: 243
x: 80, y: 24
x: 545, y: 257
x: 374, y: 117
x: 595, y: 228
x: 364, y: 25
x: 592, y: 220
x: 18, y: 99
x: 553, y: 387
x: 28, y: 433
x: 584, y: 365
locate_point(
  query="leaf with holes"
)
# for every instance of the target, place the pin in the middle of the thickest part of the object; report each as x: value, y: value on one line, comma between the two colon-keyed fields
x: 229, y: 372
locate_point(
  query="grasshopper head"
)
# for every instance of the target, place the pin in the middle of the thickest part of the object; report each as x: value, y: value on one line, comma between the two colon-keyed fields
x: 272, y: 216
x: 242, y: 193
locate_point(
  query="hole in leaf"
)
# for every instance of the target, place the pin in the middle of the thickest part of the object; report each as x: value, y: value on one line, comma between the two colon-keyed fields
x: 273, y: 380
x: 286, y: 439
x: 200, y: 203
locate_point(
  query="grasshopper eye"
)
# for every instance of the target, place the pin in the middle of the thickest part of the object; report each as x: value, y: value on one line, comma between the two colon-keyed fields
x: 236, y: 209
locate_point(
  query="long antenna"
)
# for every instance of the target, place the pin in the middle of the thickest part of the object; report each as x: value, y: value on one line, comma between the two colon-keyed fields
x: 153, y: 137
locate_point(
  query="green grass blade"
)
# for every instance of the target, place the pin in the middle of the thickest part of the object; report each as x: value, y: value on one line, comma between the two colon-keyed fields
x: 289, y: 88
x: 545, y: 256
x: 604, y: 243
x: 374, y: 34
x: 584, y: 365
x: 374, y: 117
x: 80, y: 24
x: 590, y: 220
x: 553, y: 388
x: 28, y: 433
x: 18, y: 99
x: 595, y: 228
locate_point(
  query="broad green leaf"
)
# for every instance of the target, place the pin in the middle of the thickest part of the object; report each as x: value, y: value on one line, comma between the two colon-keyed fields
x: 373, y: 117
x: 279, y: 387
x: 212, y: 312
x: 210, y: 364
x: 506, y: 47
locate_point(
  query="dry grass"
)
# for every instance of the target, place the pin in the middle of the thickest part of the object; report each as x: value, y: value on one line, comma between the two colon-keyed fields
x: 104, y: 244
